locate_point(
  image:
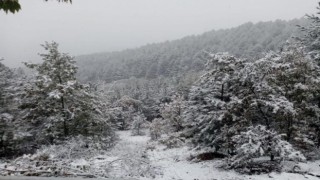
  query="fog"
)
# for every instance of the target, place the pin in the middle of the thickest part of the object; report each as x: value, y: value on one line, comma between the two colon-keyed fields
x: 110, y: 25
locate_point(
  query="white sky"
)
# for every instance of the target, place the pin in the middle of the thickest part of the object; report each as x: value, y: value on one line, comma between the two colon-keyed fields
x: 88, y: 26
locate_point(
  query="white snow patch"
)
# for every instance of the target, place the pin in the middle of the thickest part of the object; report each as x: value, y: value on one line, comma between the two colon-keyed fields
x: 79, y: 162
x: 174, y: 164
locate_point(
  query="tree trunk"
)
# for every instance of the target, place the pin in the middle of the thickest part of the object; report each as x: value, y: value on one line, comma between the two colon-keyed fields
x: 318, y: 138
x: 289, y: 128
x: 222, y: 92
x: 65, y: 128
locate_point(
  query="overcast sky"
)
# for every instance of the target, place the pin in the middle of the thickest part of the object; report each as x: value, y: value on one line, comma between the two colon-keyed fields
x: 89, y: 26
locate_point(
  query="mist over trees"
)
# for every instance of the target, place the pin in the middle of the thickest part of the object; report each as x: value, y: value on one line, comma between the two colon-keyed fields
x: 174, y: 58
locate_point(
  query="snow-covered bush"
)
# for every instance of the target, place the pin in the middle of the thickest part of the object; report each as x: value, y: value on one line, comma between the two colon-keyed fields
x: 124, y: 110
x: 75, y: 148
x: 173, y: 140
x: 258, y: 142
x: 138, y: 124
x: 156, y: 128
x: 75, y: 157
x: 172, y: 113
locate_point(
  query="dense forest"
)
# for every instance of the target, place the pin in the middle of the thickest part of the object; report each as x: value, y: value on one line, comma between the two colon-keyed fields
x: 248, y: 96
x: 185, y: 55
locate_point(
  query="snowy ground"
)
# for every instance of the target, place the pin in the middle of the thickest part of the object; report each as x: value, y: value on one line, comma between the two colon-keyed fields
x: 129, y: 158
x: 138, y: 157
x: 172, y: 164
x: 175, y: 166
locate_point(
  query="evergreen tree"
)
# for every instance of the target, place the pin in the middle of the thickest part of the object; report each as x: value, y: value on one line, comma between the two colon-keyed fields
x: 57, y: 104
x: 311, y: 38
x: 14, y: 136
x: 279, y: 91
x: 172, y: 113
x: 5, y: 76
x: 207, y: 110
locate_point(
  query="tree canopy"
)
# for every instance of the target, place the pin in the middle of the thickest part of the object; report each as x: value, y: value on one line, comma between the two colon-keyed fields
x: 14, y: 6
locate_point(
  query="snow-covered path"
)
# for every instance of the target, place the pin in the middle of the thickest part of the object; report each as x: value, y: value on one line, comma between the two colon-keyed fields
x: 128, y: 158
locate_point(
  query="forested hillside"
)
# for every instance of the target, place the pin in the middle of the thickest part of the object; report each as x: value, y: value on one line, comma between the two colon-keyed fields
x: 240, y: 103
x: 180, y: 56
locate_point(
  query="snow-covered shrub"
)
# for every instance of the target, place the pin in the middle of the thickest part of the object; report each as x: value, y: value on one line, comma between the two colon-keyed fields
x: 139, y: 122
x: 119, y: 117
x: 173, y: 140
x: 124, y: 110
x: 75, y: 148
x: 172, y: 113
x: 260, y: 142
x: 156, y: 128
x: 314, y: 154
x: 75, y: 157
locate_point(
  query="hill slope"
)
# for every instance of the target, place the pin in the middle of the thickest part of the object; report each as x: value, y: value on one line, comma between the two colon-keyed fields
x: 179, y: 56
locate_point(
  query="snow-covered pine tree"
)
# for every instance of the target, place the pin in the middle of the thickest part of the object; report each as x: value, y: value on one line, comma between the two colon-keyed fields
x: 311, y: 38
x: 46, y: 97
x: 311, y: 43
x: 278, y: 91
x: 56, y: 104
x: 14, y: 138
x: 296, y: 77
x: 285, y: 97
x: 5, y: 76
x: 207, y: 112
x: 5, y: 117
x: 269, y: 96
